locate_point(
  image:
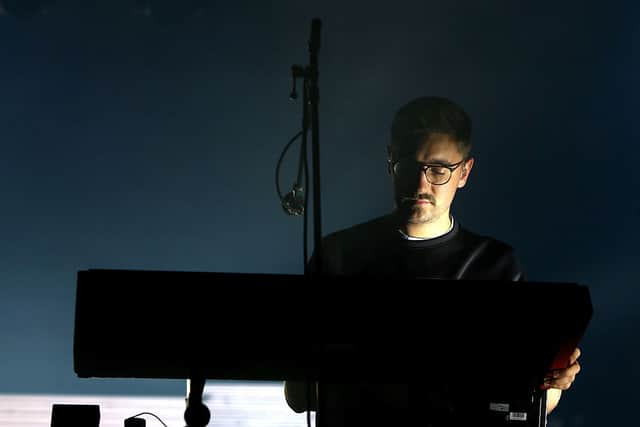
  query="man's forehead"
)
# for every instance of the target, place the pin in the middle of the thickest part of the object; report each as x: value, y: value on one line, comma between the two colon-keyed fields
x: 435, y: 147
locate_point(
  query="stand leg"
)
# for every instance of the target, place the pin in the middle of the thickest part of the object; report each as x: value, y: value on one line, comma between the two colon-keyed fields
x: 321, y: 405
x: 197, y: 414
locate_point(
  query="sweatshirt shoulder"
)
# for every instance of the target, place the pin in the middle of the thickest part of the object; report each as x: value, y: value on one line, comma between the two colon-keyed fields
x: 475, y: 239
x: 361, y: 233
x: 492, y: 257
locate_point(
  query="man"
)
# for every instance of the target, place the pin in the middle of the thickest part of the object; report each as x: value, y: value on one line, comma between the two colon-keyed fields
x: 429, y: 159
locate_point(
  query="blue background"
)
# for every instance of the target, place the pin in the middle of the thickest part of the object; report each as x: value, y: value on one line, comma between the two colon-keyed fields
x: 128, y: 141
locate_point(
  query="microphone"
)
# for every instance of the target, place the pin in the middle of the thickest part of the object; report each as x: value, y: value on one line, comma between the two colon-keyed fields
x: 293, y: 201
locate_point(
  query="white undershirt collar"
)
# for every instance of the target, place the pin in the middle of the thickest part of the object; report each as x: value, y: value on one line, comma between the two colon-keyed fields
x: 407, y: 237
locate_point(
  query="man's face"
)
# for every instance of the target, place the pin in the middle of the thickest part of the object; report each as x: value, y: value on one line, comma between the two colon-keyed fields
x: 419, y: 201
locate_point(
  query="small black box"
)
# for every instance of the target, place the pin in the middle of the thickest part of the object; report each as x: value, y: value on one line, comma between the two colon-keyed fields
x: 135, y: 422
x: 65, y: 415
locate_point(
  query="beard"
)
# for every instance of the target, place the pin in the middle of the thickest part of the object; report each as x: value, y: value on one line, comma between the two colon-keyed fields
x: 422, y: 214
x: 411, y: 213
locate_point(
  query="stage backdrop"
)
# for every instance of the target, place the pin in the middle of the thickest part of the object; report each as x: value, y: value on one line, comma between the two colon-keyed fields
x: 132, y: 139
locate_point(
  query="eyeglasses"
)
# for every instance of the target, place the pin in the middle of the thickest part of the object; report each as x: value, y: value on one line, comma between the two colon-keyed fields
x: 436, y: 174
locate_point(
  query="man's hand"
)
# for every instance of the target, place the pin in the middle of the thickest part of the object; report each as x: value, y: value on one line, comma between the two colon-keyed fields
x: 561, y: 379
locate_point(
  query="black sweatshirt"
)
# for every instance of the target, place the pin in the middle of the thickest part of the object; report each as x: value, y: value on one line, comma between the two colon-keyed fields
x: 377, y: 249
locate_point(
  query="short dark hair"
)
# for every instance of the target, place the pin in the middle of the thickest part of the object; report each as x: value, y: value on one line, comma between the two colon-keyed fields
x: 421, y: 117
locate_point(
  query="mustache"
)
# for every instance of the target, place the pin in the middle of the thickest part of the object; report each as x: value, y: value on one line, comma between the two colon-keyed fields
x: 422, y: 196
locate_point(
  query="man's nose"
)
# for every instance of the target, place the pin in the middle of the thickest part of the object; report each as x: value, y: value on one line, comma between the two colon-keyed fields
x: 422, y: 182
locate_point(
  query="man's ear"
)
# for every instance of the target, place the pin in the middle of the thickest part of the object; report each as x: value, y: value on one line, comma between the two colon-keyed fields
x: 466, y: 171
x: 389, y: 159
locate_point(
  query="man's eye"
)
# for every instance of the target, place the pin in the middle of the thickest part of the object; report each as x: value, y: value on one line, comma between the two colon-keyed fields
x: 438, y: 170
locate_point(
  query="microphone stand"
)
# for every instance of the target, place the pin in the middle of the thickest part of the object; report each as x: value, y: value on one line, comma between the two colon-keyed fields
x: 311, y: 99
x: 314, y: 99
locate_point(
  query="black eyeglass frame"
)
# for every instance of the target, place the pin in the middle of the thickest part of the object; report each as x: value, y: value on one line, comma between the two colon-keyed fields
x: 425, y: 168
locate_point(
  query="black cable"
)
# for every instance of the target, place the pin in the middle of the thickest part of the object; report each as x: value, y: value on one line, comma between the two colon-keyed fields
x: 284, y: 151
x: 304, y: 160
x: 148, y: 413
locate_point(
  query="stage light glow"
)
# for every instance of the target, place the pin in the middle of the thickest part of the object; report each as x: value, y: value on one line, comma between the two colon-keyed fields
x: 236, y: 404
